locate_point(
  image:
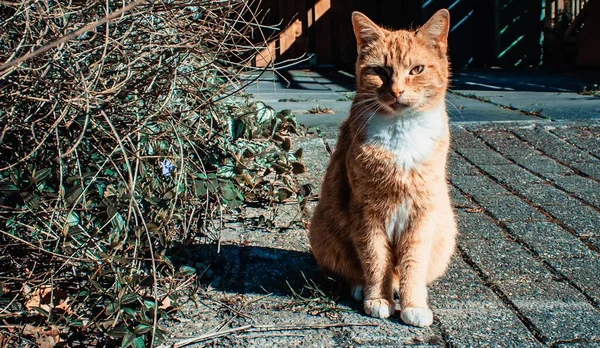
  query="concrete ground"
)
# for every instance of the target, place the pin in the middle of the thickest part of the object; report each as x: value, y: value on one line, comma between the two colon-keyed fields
x: 525, y: 188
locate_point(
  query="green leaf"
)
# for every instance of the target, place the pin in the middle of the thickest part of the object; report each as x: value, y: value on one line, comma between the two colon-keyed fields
x: 73, y: 219
x: 149, y: 304
x: 228, y: 190
x: 129, y: 298
x: 186, y: 270
x: 236, y: 128
x: 127, y: 339
x: 118, y: 332
x: 142, y: 329
x: 200, y: 188
x: 31, y: 199
x: 128, y: 313
x: 264, y: 113
x: 139, y: 342
x: 42, y: 175
x: 118, y: 222
x: 41, y: 311
x: 9, y: 188
x: 73, y: 194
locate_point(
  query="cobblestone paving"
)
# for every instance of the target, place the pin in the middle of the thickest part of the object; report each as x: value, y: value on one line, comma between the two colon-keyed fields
x: 526, y: 272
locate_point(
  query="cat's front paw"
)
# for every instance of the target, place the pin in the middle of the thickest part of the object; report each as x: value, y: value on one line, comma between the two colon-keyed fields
x: 417, y: 316
x: 379, y: 308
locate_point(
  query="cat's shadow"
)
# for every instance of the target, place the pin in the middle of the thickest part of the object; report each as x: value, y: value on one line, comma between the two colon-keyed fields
x: 260, y: 270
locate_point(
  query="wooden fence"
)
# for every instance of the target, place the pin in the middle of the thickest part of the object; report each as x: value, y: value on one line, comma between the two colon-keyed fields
x: 505, y: 33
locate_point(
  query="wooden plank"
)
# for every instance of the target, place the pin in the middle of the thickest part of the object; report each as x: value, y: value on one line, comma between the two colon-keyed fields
x: 294, y: 39
x: 321, y: 28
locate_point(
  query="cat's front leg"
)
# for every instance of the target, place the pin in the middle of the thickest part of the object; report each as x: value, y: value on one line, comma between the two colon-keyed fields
x: 412, y: 253
x: 374, y: 254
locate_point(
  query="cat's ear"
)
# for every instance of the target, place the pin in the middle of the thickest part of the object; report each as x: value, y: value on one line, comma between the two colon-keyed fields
x: 364, y: 29
x: 435, y: 31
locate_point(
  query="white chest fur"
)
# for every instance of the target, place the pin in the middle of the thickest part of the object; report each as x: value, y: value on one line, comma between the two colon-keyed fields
x: 398, y: 221
x: 411, y: 137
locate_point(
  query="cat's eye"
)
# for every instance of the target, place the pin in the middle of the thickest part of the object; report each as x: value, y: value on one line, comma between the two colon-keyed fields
x: 417, y: 70
x: 380, y: 71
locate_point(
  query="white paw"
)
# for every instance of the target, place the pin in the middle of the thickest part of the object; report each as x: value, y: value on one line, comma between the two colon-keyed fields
x: 417, y: 316
x: 379, y: 308
x: 357, y: 292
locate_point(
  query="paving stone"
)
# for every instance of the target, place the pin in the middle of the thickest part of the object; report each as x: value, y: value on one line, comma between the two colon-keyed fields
x: 470, y: 314
x: 503, y: 260
x: 587, y: 344
x: 554, y: 105
x: 458, y: 166
x: 554, y: 146
x: 478, y: 186
x: 584, y: 220
x: 510, y: 174
x: 459, y: 201
x: 510, y: 208
x: 543, y: 194
x: 535, y: 291
x: 479, y: 157
x: 551, y: 241
x: 475, y: 225
x: 460, y: 138
x: 507, y: 143
x: 586, y: 189
x: 558, y: 321
x: 581, y: 137
x: 543, y: 166
x: 461, y: 289
x: 563, y: 251
x: 591, y: 169
x: 484, y: 327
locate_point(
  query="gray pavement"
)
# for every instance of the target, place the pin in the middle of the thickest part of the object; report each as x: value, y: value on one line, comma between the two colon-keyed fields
x: 526, y: 272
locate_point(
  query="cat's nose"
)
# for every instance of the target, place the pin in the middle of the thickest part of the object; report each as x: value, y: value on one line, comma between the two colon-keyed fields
x: 396, y: 92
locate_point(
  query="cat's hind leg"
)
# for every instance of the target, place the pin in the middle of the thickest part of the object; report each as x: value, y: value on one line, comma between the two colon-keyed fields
x: 337, y: 256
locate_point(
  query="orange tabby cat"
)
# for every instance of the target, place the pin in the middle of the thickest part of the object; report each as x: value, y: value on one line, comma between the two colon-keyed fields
x: 384, y: 220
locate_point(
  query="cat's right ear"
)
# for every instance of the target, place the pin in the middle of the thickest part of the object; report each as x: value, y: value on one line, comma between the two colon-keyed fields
x: 364, y: 29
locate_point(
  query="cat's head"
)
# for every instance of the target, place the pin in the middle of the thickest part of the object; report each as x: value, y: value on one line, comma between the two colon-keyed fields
x: 403, y: 70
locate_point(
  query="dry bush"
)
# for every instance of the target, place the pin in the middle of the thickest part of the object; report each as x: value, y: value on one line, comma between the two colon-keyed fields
x: 117, y: 143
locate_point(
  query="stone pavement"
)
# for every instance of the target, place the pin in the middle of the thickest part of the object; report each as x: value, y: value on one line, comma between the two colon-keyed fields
x: 526, y: 271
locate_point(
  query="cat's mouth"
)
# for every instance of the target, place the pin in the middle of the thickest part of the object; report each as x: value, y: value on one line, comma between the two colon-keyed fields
x: 398, y: 106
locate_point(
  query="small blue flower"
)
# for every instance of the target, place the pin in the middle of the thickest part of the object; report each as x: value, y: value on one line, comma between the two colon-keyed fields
x: 166, y: 167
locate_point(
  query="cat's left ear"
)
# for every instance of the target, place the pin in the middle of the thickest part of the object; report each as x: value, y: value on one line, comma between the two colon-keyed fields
x: 435, y: 31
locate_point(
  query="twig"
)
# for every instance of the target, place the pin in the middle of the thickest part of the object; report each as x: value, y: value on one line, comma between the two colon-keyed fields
x: 72, y: 35
x: 259, y: 328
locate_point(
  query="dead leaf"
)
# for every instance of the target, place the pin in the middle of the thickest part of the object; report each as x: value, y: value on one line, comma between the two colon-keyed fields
x: 46, y: 298
x: 165, y: 303
x: 44, y: 337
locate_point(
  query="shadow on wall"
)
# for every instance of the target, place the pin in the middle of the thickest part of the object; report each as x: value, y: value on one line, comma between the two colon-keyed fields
x: 505, y: 33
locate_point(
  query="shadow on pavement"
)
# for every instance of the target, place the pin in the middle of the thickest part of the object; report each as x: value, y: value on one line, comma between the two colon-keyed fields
x: 257, y: 270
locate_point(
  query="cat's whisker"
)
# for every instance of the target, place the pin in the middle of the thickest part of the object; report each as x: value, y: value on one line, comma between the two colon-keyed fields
x: 457, y: 109
x: 368, y: 118
x: 362, y: 109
